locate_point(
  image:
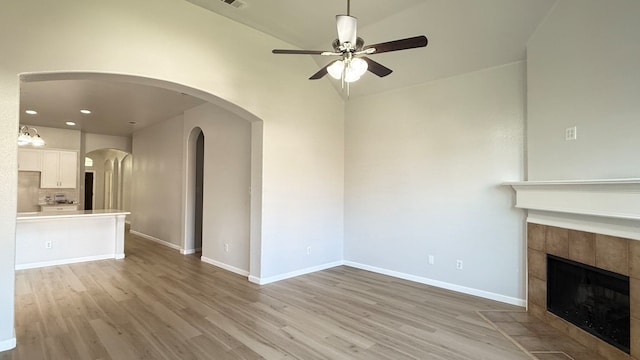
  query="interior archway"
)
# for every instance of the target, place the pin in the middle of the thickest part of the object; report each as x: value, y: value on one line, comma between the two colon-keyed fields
x: 256, y: 147
x: 193, y: 208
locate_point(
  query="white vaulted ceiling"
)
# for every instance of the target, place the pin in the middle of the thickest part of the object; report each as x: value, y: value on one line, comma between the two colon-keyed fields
x: 464, y: 36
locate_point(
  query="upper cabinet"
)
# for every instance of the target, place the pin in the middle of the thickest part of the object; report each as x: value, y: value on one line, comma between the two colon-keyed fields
x: 59, y: 169
x: 29, y: 160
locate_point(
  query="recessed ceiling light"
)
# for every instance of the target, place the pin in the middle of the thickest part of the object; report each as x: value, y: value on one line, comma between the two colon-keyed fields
x: 85, y: 111
x: 70, y: 123
x: 31, y: 112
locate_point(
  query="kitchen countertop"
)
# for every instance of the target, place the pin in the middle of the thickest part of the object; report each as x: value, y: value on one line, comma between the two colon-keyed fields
x: 69, y: 214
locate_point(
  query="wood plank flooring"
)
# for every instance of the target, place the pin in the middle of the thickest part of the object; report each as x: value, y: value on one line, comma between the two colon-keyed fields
x: 158, y: 304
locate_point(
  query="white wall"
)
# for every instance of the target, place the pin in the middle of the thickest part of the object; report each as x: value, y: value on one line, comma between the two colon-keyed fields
x: 98, y: 141
x: 583, y: 67
x: 181, y: 43
x: 157, y: 181
x: 227, y: 178
x: 58, y: 138
x: 127, y: 183
x: 423, y: 172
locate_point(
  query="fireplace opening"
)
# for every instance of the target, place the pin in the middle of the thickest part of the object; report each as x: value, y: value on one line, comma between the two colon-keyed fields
x: 593, y: 299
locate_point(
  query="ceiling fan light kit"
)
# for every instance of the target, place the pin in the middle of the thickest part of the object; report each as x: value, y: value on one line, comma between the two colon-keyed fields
x: 349, y: 70
x: 351, y: 50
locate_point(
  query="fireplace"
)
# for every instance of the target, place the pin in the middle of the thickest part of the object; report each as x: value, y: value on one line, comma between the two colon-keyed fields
x: 593, y: 299
x: 591, y: 222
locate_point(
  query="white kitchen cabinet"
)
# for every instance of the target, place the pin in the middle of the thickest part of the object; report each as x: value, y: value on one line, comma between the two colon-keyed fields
x: 59, y: 169
x: 29, y: 160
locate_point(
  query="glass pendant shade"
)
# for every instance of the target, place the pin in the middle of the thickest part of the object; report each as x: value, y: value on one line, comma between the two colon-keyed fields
x: 357, y: 67
x: 25, y: 136
x: 36, y: 140
x: 24, y: 139
x: 335, y: 69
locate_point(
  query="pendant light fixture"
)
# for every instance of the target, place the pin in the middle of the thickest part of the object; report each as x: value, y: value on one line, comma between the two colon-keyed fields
x: 29, y: 136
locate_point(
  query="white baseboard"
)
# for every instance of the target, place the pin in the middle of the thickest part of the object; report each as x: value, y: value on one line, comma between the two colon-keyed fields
x: 155, y: 239
x: 9, y: 343
x: 264, y: 281
x: 190, y: 251
x: 227, y: 267
x: 440, y: 284
x: 65, y: 261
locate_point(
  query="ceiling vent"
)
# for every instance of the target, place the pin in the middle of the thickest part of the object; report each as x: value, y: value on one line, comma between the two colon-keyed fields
x: 235, y: 3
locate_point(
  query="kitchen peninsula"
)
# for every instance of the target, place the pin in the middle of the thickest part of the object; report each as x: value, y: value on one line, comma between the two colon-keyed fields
x: 56, y: 238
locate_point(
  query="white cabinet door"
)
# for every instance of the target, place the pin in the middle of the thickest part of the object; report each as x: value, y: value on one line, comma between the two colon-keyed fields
x: 29, y: 160
x: 59, y: 170
x: 68, y: 174
x: 50, y: 168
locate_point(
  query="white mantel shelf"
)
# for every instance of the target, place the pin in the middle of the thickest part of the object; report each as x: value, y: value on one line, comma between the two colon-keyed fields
x: 606, y: 206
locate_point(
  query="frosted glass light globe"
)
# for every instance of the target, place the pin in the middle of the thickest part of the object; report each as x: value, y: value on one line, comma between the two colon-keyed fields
x: 356, y: 68
x: 335, y: 69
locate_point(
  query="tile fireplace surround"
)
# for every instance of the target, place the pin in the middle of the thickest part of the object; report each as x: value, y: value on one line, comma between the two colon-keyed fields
x: 595, y: 222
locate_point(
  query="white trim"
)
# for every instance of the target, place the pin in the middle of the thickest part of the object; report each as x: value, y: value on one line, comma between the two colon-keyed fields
x: 119, y: 256
x: 440, y: 284
x: 606, y: 226
x: 605, y: 206
x: 616, y: 198
x: 9, y: 343
x: 187, y: 252
x: 66, y: 261
x: 271, y: 279
x: 224, y: 266
x: 155, y: 239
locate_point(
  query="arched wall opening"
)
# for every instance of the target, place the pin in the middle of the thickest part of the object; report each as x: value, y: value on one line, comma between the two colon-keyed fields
x: 191, y: 228
x: 111, y: 184
x: 252, y: 252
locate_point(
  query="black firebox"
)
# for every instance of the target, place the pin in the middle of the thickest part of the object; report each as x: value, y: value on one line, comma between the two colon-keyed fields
x: 593, y: 299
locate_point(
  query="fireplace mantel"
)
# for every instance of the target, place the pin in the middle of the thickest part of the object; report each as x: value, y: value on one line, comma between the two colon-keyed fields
x: 608, y: 206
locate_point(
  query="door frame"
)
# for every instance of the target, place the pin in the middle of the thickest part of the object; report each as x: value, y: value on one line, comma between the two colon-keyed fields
x: 93, y: 190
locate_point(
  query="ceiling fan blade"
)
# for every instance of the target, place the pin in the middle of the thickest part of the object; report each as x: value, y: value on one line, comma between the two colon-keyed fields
x: 347, y: 28
x: 299, y: 52
x: 321, y: 73
x: 402, y: 44
x: 377, y: 68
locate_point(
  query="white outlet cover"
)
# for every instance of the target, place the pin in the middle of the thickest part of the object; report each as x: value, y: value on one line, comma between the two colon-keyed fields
x: 571, y: 133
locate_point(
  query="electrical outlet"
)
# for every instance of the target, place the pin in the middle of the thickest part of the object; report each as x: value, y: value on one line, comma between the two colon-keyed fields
x: 308, y: 250
x: 459, y: 264
x: 48, y: 244
x: 226, y: 247
x: 432, y: 259
x: 571, y: 133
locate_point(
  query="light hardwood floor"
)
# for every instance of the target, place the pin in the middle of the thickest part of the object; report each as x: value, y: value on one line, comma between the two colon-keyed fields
x: 158, y: 304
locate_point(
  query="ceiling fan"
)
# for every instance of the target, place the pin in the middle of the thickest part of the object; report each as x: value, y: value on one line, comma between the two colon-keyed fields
x: 351, y: 49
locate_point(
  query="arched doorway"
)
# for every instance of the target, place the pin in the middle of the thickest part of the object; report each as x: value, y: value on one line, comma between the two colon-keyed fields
x: 253, y: 251
x: 195, y: 191
x: 107, y: 179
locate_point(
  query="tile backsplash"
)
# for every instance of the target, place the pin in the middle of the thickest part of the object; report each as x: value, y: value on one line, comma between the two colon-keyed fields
x: 31, y: 196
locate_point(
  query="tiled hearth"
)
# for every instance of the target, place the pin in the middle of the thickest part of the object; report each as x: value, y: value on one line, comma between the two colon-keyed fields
x: 615, y: 254
x: 594, y: 222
